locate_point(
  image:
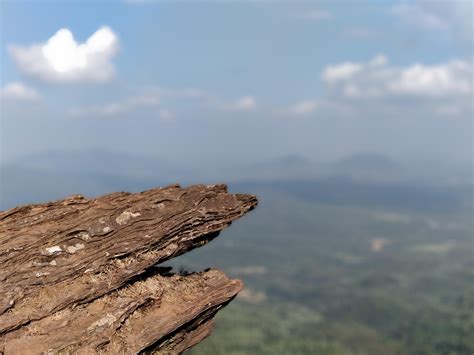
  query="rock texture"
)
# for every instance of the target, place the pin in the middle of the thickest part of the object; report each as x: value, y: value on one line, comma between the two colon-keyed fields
x: 80, y: 275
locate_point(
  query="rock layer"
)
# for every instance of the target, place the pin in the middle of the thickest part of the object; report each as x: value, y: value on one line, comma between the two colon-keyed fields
x: 79, y: 275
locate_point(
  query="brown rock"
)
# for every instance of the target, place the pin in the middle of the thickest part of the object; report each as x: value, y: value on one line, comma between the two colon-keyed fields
x: 78, y: 275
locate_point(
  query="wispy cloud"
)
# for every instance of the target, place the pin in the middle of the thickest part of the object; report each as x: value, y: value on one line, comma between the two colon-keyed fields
x: 416, y: 15
x: 203, y: 98
x: 112, y: 109
x: 245, y: 103
x: 177, y: 93
x: 164, y: 102
x: 18, y: 92
x: 445, y: 16
x: 63, y: 60
x: 303, y: 107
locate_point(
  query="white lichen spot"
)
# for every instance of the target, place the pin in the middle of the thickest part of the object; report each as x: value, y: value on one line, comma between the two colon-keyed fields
x: 73, y: 248
x: 84, y: 236
x: 107, y: 320
x: 125, y: 217
x: 106, y: 229
x: 39, y: 273
x: 102, y: 220
x: 160, y: 206
x: 55, y: 249
x: 53, y: 263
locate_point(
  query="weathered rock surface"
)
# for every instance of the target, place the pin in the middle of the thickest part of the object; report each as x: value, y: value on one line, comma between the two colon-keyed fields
x: 79, y: 275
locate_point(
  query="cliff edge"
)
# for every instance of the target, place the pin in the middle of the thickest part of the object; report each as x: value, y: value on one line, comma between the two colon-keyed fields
x: 81, y: 276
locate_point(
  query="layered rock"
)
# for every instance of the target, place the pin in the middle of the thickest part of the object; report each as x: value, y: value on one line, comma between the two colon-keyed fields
x: 80, y: 275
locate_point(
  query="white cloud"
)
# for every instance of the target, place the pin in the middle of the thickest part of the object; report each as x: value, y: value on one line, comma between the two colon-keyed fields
x: 451, y: 78
x: 18, y: 91
x: 246, y: 103
x: 339, y: 72
x: 376, y: 78
x: 345, y: 71
x: 62, y: 60
x: 303, y: 107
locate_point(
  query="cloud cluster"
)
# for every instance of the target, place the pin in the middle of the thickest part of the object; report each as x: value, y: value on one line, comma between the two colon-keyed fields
x: 63, y: 60
x: 362, y: 88
x: 377, y: 78
x: 18, y: 92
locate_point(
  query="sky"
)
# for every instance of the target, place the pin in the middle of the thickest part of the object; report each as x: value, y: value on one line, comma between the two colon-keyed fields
x: 238, y: 81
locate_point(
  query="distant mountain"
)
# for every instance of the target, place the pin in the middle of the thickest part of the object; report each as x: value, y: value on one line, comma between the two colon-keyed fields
x: 366, y: 178
x: 367, y: 162
x: 347, y: 191
x: 285, y: 166
x: 96, y: 161
x: 291, y: 160
x: 21, y: 185
x: 51, y: 175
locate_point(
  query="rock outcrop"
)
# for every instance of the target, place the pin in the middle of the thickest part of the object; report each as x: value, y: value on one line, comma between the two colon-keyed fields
x: 81, y: 275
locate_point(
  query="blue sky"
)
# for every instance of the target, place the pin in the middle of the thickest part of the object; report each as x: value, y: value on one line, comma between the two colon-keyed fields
x: 239, y: 80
